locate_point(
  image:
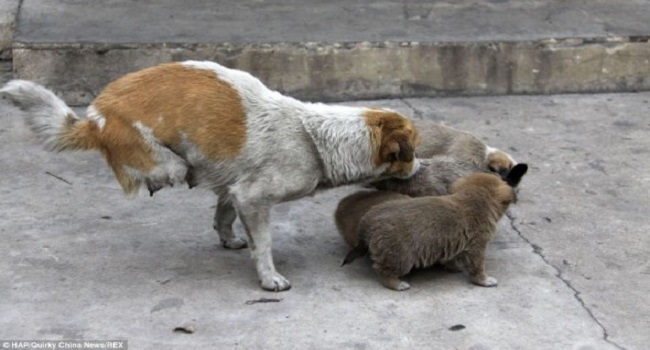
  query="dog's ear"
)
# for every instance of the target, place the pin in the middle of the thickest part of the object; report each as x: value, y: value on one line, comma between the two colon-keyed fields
x: 515, y: 174
x: 398, y: 146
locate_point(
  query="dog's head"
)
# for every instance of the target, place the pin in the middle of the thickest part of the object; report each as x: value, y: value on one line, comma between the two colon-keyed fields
x: 499, y: 161
x: 393, y: 140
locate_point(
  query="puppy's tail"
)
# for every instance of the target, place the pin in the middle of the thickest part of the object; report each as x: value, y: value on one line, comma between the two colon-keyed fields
x: 354, y: 254
x: 53, y: 122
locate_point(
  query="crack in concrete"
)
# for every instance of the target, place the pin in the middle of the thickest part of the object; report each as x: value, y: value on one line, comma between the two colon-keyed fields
x: 538, y: 250
x: 417, y: 113
x: 17, y: 18
x: 558, y: 273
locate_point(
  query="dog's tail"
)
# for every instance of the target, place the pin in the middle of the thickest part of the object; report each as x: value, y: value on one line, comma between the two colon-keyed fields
x: 53, y: 122
x: 357, y: 252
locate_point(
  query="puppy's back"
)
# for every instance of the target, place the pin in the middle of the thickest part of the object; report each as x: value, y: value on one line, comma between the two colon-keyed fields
x: 436, y: 139
x: 352, y: 208
x: 433, y: 178
x: 415, y: 233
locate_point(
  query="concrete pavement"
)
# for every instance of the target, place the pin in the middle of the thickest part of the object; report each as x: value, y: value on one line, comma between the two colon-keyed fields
x: 337, y: 50
x: 8, y: 13
x: 81, y: 261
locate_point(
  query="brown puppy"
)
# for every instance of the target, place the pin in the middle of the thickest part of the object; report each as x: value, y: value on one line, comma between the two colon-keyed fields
x: 405, y: 233
x: 437, y: 140
x: 353, y: 207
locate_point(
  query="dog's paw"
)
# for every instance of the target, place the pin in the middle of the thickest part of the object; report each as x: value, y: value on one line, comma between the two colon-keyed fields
x: 276, y: 283
x: 234, y: 243
x: 402, y: 286
x: 487, y: 282
x: 395, y: 283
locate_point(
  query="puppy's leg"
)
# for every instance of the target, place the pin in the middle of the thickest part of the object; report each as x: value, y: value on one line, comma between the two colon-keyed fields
x: 475, y: 263
x: 390, y: 280
x: 454, y: 265
x: 255, y: 218
x: 224, y: 217
x: 394, y: 283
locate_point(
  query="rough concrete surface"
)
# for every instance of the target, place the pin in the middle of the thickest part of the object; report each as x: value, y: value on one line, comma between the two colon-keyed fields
x: 82, y: 261
x: 8, y: 12
x: 78, y: 72
x: 336, y: 50
x: 255, y: 21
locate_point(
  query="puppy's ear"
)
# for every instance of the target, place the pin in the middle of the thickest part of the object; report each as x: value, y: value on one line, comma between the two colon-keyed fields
x: 515, y: 174
x: 398, y: 146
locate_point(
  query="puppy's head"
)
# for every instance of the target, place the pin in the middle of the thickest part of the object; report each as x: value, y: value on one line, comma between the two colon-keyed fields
x: 503, y: 190
x: 499, y: 162
x: 393, y: 140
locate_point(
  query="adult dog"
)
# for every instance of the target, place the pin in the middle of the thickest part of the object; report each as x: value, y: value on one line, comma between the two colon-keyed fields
x: 204, y: 124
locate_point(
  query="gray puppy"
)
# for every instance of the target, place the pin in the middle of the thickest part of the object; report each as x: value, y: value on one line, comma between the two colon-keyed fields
x: 440, y: 140
x: 401, y: 233
x: 433, y: 178
x: 446, y: 154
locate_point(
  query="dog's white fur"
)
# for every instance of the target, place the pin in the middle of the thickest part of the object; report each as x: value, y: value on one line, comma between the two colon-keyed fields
x: 291, y: 148
x: 46, y: 114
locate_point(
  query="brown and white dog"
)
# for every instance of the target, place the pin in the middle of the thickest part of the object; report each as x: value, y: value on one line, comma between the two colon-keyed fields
x: 204, y: 124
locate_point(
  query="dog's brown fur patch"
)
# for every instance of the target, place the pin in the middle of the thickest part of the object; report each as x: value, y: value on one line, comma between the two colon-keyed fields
x: 393, y: 139
x: 79, y: 135
x: 171, y: 100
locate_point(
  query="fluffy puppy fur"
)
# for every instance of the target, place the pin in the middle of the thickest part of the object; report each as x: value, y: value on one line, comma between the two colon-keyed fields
x: 206, y: 125
x: 352, y: 208
x: 434, y: 178
x: 440, y: 140
x: 401, y: 233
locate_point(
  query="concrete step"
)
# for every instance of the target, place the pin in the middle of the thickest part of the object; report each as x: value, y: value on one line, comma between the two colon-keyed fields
x: 339, y: 50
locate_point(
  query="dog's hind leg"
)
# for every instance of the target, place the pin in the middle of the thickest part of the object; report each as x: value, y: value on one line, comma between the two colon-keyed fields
x: 170, y: 168
x: 224, y: 217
